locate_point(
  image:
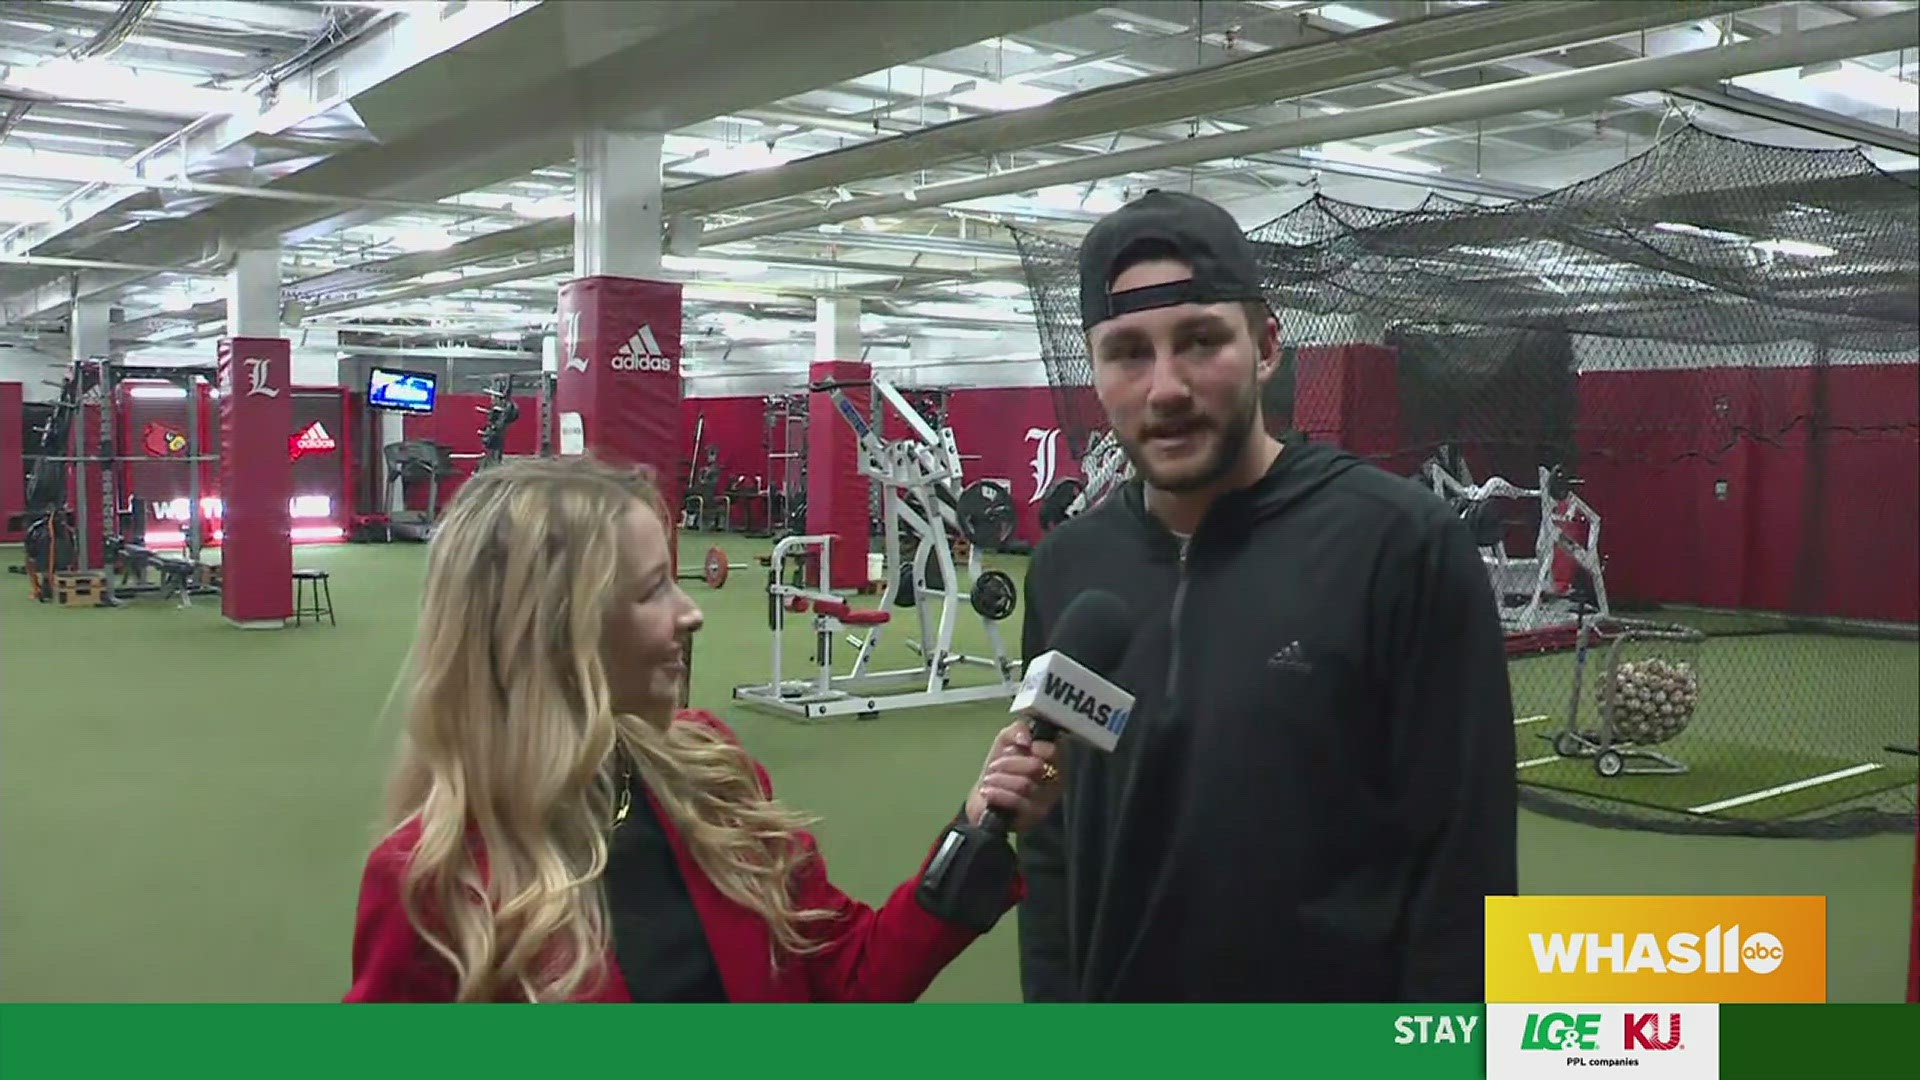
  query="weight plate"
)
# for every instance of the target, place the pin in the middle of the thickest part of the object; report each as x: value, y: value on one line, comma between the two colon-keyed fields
x: 994, y: 595
x: 986, y: 514
x: 716, y: 568
x: 1055, y: 503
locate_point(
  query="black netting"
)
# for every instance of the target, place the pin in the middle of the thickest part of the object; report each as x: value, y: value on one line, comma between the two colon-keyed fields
x: 1678, y: 403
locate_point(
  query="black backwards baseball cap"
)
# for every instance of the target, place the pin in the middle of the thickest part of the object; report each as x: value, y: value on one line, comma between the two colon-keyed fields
x: 1201, y: 233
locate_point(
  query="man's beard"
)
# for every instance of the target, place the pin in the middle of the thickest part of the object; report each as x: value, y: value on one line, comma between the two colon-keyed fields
x: 1233, y: 436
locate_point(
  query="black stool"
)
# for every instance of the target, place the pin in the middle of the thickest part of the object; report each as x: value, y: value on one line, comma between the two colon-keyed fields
x: 322, y: 593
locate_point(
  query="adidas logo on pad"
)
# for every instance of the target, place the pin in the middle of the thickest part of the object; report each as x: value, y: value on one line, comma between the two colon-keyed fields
x: 641, y: 353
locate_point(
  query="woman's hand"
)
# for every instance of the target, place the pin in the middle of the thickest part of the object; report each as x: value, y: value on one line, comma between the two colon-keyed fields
x: 1019, y: 780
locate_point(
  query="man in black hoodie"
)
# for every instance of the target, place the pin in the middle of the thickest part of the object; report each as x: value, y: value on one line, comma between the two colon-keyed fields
x: 1316, y: 790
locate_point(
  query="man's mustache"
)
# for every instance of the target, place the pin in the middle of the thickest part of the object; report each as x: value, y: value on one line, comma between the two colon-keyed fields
x: 1169, y: 427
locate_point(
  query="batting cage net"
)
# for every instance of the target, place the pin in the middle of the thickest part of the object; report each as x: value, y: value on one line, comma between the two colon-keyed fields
x: 1678, y: 404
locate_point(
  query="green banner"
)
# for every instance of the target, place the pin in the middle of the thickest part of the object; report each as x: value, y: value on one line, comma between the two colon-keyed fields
x: 1813, y: 1042
x: 1342, y: 1042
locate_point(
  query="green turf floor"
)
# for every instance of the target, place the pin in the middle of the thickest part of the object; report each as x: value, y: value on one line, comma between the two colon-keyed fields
x: 1788, y: 724
x: 184, y: 807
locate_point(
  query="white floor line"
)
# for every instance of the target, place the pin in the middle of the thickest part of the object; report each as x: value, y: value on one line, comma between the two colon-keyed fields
x: 1531, y: 719
x: 1537, y: 761
x: 1797, y: 785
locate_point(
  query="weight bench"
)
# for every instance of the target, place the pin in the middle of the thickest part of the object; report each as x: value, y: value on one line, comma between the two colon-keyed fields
x: 176, y: 574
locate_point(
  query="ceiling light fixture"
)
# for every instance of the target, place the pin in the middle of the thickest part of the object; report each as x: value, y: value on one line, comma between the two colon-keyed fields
x: 1005, y: 96
x: 1800, y: 248
x: 1348, y: 15
x: 98, y: 80
x: 1359, y: 155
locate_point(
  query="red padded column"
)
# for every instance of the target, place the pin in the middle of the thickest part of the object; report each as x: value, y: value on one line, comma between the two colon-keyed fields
x: 13, y: 487
x: 618, y: 393
x: 837, y: 495
x: 256, y: 481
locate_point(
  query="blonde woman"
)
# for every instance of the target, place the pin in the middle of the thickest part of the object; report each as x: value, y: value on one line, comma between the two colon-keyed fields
x: 561, y: 833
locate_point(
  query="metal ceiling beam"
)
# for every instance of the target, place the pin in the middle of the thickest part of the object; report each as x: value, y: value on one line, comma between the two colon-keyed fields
x: 1805, y: 117
x: 101, y: 264
x: 462, y: 123
x: 1444, y: 42
x: 241, y: 191
x: 1884, y: 34
x: 383, y: 50
x: 1465, y: 38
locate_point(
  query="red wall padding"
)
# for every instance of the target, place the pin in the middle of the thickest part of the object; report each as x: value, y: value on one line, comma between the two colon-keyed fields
x: 1666, y: 535
x: 13, y: 476
x: 455, y: 423
x: 1012, y: 429
x: 1018, y: 438
x: 1349, y: 395
x: 737, y: 427
x: 321, y: 472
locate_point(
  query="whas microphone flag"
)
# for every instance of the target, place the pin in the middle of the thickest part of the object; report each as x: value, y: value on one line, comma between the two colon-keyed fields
x: 1064, y: 692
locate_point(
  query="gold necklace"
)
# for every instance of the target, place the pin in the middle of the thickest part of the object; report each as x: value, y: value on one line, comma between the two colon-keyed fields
x: 625, y: 796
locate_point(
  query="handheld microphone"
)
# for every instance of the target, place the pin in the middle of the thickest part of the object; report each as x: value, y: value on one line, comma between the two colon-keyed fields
x: 1065, y: 690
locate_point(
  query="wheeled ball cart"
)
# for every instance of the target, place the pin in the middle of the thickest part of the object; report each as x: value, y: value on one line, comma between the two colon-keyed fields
x: 1646, y: 692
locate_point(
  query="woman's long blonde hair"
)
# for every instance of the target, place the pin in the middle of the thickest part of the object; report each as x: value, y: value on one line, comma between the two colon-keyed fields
x: 509, y: 751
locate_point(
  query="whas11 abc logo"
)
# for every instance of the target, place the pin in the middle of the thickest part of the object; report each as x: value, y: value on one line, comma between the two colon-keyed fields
x: 1720, y: 951
x: 1566, y: 1032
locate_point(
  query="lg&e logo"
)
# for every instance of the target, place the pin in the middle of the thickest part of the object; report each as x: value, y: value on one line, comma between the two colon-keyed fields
x: 1561, y: 1031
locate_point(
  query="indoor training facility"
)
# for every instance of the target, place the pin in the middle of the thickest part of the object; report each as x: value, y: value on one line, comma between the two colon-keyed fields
x: 1634, y: 288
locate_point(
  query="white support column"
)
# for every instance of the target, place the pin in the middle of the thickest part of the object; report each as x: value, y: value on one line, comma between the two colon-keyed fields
x: 316, y: 357
x: 616, y: 201
x: 253, y: 294
x: 90, y: 327
x: 836, y: 328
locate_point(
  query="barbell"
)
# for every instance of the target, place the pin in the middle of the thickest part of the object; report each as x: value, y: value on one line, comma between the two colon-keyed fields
x: 714, y: 569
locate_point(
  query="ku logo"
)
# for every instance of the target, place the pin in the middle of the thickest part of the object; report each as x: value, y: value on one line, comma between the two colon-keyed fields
x: 257, y: 373
x: 1046, y: 459
x: 1643, y: 1031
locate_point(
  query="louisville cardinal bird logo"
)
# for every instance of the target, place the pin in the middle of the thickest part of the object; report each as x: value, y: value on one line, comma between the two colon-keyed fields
x: 161, y: 440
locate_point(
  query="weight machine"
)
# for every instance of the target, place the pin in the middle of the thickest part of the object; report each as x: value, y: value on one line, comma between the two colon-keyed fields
x: 501, y: 411
x: 1531, y: 594
x: 786, y: 442
x: 922, y: 493
x: 57, y: 548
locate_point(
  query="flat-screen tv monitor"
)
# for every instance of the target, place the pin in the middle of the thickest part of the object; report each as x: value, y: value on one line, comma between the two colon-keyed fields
x: 401, y: 391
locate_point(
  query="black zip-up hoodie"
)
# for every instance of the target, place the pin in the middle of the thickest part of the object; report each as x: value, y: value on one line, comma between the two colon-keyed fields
x: 1316, y: 789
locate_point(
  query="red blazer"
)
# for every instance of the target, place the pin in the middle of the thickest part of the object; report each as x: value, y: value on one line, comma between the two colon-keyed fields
x: 888, y: 954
